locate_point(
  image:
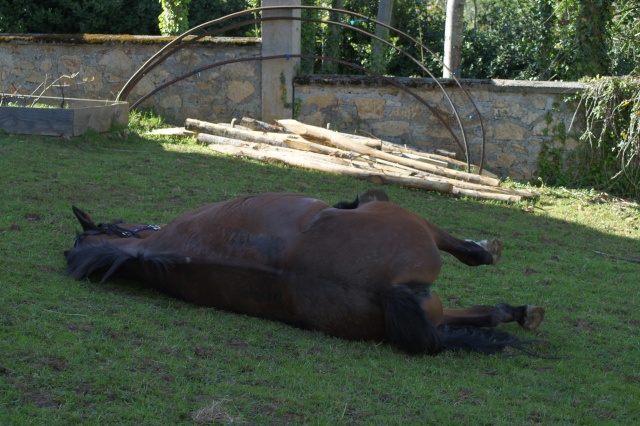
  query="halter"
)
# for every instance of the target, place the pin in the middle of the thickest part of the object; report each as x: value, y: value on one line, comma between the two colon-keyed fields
x: 114, y: 229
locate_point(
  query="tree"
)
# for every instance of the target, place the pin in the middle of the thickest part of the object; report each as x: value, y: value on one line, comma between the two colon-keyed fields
x: 453, y: 38
x: 174, y: 19
x: 591, y: 37
x: 385, y: 12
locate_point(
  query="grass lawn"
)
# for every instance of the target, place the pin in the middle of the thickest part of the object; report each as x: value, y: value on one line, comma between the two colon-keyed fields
x: 81, y: 352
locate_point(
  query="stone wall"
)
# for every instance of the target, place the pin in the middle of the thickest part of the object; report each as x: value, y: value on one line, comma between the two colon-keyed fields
x: 104, y: 63
x: 518, y: 116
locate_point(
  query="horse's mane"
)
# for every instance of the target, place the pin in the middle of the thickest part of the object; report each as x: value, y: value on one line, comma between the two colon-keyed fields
x: 105, y: 259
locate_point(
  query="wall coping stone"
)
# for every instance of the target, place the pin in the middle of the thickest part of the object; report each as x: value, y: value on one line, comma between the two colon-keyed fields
x: 121, y: 39
x: 491, y: 85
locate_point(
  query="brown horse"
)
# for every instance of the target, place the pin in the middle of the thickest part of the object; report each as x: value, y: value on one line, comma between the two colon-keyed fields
x: 360, y: 270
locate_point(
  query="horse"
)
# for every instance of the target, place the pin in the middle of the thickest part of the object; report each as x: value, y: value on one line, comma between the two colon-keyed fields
x: 360, y: 270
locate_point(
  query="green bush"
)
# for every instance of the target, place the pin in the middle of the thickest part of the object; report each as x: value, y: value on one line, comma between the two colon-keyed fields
x: 201, y: 11
x: 80, y: 16
x: 138, y: 17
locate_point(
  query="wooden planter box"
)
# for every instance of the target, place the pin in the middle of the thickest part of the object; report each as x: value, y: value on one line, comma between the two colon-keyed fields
x: 74, y: 118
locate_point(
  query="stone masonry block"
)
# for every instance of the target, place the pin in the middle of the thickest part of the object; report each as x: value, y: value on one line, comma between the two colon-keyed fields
x: 510, y: 131
x: 370, y: 108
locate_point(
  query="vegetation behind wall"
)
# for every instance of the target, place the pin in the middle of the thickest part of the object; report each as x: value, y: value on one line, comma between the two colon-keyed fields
x: 510, y: 39
x: 138, y: 17
x: 609, y: 156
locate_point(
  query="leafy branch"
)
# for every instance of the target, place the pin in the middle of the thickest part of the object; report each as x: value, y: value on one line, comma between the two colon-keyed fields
x: 612, y: 108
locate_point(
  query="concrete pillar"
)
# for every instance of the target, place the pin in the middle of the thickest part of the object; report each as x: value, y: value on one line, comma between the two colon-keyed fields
x: 279, y: 37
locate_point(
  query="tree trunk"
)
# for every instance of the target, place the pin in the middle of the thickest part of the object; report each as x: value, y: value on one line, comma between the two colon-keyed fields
x: 453, y: 39
x: 385, y: 12
x: 592, y: 38
x: 332, y: 49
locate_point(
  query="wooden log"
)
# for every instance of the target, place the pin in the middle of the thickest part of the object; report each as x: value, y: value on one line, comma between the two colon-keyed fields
x: 285, y: 157
x: 304, y: 145
x: 341, y: 157
x: 370, y: 142
x: 279, y: 150
x: 343, y: 142
x: 425, y: 159
x: 485, y: 195
x: 398, y: 168
x: 284, y: 140
x: 316, y: 156
x: 220, y: 140
x: 332, y: 155
x: 378, y: 167
x: 261, y: 126
x: 173, y: 131
x: 233, y: 133
x: 485, y: 188
x: 447, y: 161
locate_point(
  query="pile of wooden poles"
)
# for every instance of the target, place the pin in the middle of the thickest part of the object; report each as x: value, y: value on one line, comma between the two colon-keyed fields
x: 301, y: 145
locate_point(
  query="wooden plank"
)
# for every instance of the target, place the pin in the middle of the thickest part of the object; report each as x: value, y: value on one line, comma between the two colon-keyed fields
x: 41, y: 121
x: 98, y: 118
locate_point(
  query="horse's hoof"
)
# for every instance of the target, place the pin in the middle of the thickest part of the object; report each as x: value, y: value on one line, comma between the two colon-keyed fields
x: 494, y: 247
x: 533, y: 317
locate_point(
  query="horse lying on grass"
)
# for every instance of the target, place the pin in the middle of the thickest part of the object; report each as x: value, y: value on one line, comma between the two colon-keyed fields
x: 358, y: 270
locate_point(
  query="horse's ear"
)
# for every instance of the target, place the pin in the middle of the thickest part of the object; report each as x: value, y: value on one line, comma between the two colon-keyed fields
x: 85, y: 220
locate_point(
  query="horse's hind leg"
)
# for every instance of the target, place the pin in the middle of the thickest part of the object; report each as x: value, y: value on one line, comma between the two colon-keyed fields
x: 527, y: 316
x: 469, y: 252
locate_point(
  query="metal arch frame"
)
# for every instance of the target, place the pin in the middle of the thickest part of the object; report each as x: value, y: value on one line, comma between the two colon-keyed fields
x: 191, y: 37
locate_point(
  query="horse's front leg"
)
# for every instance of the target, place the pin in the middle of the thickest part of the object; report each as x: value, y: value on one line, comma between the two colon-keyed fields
x: 527, y: 316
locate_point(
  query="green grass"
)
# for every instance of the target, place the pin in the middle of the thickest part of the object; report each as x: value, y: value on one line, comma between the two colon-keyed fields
x: 80, y: 352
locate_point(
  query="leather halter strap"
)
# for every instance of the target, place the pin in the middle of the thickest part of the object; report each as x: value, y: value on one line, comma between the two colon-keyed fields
x: 114, y: 229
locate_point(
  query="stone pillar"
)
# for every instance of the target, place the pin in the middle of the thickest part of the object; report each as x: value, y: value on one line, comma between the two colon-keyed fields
x: 279, y: 37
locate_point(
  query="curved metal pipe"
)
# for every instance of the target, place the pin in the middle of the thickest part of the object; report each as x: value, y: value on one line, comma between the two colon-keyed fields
x: 287, y: 56
x: 177, y: 44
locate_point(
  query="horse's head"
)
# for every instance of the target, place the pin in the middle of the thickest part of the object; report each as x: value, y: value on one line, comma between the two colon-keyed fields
x: 102, y: 232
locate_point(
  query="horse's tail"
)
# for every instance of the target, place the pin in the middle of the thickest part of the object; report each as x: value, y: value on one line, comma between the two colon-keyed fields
x: 483, y: 340
x: 105, y: 259
x: 407, y: 325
